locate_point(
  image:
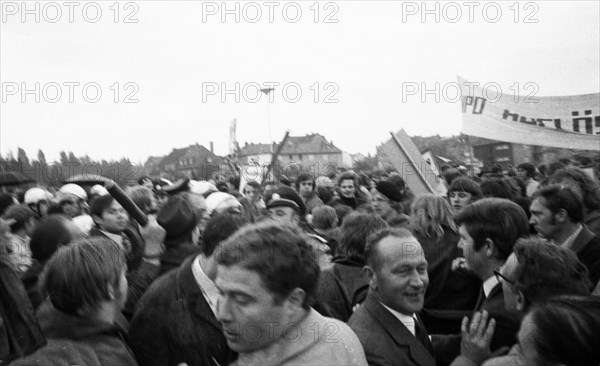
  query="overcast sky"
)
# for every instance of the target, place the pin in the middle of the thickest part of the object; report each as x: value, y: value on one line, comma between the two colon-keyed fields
x: 349, y: 66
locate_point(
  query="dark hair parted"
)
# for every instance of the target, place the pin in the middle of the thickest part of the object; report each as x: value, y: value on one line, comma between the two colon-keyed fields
x: 355, y: 230
x: 279, y: 253
x: 372, y: 258
x: 100, y: 204
x: 568, y: 276
x: 590, y: 189
x: 498, y: 219
x: 219, y: 228
x: 559, y: 197
x: 303, y: 178
x: 77, y: 277
x: 466, y: 185
x: 566, y: 330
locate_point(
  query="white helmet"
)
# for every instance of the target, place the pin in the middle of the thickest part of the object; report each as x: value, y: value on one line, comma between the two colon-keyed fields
x: 74, y: 189
x: 98, y: 190
x: 202, y: 188
x: 35, y: 195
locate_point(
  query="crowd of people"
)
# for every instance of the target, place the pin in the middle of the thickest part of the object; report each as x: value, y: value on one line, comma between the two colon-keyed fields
x: 351, y: 269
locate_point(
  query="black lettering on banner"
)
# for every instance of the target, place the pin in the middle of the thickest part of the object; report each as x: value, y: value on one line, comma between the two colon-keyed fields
x: 478, y: 104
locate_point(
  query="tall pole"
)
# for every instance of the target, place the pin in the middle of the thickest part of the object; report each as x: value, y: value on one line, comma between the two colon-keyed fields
x: 267, y: 91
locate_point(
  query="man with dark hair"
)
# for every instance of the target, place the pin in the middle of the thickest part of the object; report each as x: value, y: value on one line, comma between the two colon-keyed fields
x: 489, y: 229
x: 87, y: 289
x: 526, y: 171
x: 462, y: 192
x: 557, y: 215
x: 527, y: 282
x: 386, y: 323
x: 305, y: 185
x: 588, y: 188
x: 175, y: 321
x: 349, y: 191
x: 267, y: 274
x: 112, y: 221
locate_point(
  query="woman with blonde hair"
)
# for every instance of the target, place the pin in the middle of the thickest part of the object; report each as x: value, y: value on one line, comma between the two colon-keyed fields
x: 450, y: 294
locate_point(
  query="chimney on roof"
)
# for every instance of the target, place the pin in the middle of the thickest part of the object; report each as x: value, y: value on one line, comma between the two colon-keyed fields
x: 246, y: 144
x: 212, y: 147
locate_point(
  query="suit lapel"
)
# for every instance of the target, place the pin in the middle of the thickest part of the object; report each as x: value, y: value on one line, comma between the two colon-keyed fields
x: 192, y: 294
x: 398, y: 331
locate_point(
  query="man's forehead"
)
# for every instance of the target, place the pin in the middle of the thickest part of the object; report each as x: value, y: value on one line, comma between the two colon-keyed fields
x: 238, y: 278
x: 539, y: 203
x: 407, y: 247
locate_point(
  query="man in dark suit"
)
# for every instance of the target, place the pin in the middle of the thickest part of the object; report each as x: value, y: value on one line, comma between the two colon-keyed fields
x: 386, y: 324
x: 175, y: 320
x: 489, y: 229
x: 557, y: 215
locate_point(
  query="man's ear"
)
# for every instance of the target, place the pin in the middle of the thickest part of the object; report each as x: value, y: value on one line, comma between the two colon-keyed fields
x: 489, y: 247
x: 561, y: 216
x: 296, y: 298
x: 371, y: 275
x: 97, y: 220
x: 521, y: 302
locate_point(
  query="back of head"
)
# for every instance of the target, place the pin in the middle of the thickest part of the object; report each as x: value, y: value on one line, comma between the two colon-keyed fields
x: 450, y: 175
x: 278, y: 253
x: 324, y: 217
x: 142, y: 196
x: 6, y: 200
x: 566, y: 330
x: 50, y: 233
x: 590, y: 189
x: 20, y: 215
x: 535, y: 256
x: 325, y: 194
x: 355, y: 230
x: 560, y: 197
x: 180, y: 215
x: 496, y: 187
x: 498, y: 219
x: 79, y: 276
x: 219, y: 228
x: 431, y: 215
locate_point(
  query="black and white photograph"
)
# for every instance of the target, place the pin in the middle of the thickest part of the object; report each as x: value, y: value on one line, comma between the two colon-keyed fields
x: 312, y: 182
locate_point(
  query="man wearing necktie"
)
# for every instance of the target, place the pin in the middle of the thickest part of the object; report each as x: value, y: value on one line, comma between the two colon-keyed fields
x: 489, y: 229
x: 387, y: 324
